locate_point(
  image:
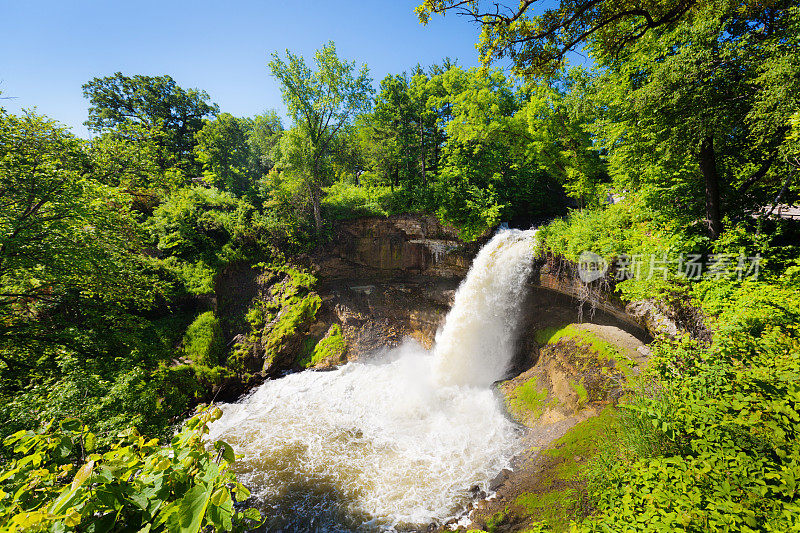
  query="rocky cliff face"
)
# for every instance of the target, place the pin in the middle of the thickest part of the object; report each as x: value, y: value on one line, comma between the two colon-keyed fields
x: 380, y: 280
x: 561, y: 276
x: 399, y: 246
x: 384, y: 279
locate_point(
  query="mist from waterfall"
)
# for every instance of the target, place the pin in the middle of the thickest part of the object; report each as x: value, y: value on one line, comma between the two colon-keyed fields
x: 401, y: 440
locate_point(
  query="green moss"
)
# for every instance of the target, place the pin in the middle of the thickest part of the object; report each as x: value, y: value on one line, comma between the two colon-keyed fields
x: 293, y: 316
x: 255, y: 317
x: 580, y: 390
x: 558, y: 498
x: 554, y: 508
x: 605, y: 350
x: 494, y: 521
x: 528, y: 397
x: 584, y: 440
x: 203, y: 342
x: 331, y: 348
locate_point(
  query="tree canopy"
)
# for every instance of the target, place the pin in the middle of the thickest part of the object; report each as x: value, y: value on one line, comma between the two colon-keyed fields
x: 154, y: 102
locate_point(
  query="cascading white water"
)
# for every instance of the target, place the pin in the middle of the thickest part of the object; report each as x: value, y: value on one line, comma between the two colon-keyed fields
x: 477, y: 341
x: 398, y: 441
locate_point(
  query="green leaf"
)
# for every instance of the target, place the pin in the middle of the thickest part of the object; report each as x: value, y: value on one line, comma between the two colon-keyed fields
x: 227, y: 451
x: 102, y: 524
x: 82, y: 475
x: 71, y: 424
x: 193, y: 509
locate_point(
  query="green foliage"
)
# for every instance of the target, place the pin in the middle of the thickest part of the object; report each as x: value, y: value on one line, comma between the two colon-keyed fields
x: 344, y: 201
x: 488, y: 171
x: 223, y: 150
x: 730, y: 457
x: 58, y: 480
x: 152, y: 102
x: 538, y: 42
x: 69, y: 263
x: 128, y: 157
x: 203, y: 342
x: 200, y: 231
x: 236, y: 152
x: 708, y: 442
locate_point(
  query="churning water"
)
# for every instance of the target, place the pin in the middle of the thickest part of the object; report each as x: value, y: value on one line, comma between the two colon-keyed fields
x: 399, y: 441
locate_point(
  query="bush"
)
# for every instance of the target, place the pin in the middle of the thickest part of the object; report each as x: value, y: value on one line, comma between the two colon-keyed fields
x: 203, y: 342
x: 201, y: 230
x: 344, y: 201
x: 57, y: 480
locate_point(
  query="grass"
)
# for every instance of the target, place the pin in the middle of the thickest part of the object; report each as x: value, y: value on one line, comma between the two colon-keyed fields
x: 549, y: 507
x: 583, y: 440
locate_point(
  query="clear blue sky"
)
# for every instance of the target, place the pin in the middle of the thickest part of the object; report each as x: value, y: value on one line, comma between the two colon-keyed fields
x: 50, y: 48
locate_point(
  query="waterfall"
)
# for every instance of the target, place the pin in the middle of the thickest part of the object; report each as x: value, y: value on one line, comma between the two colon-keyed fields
x: 476, y: 344
x: 402, y: 440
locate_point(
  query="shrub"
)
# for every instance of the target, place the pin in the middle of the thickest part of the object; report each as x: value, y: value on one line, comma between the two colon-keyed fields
x: 344, y: 201
x: 203, y: 342
x: 57, y: 480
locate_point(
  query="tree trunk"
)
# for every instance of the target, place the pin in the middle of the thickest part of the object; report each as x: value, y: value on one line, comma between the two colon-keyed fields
x: 423, y: 152
x: 708, y: 167
x: 315, y: 198
x: 315, y: 204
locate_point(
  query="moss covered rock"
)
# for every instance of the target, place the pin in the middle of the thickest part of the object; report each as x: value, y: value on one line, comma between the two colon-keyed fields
x: 203, y: 342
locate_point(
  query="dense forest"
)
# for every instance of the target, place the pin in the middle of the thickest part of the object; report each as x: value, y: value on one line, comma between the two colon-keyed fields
x: 682, y: 140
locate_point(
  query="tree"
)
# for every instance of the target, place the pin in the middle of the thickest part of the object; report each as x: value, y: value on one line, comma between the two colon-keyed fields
x: 152, y: 102
x: 223, y: 150
x: 127, y: 157
x: 401, y: 136
x: 488, y: 169
x: 321, y: 103
x: 236, y: 152
x: 264, y: 139
x: 538, y: 44
x: 557, y: 115
x: 697, y: 95
x: 67, y: 246
x: 698, y: 115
